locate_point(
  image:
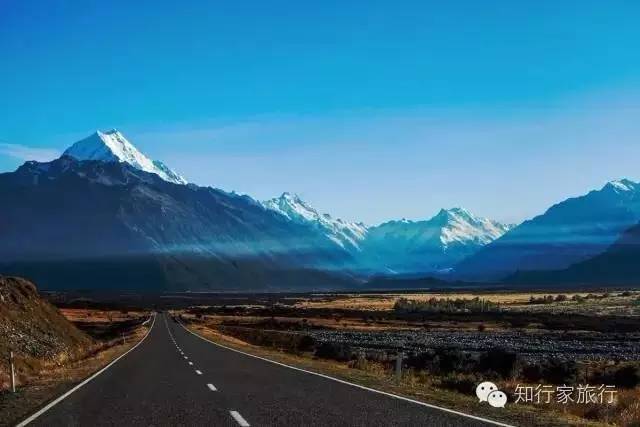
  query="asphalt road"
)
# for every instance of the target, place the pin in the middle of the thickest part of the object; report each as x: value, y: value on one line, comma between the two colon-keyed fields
x: 176, y: 378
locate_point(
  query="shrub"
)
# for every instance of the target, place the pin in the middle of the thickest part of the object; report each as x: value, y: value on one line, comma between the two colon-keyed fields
x: 452, y: 360
x: 546, y: 299
x: 306, y: 343
x: 465, y: 384
x: 627, y: 376
x: 420, y: 361
x: 532, y: 372
x: 554, y: 371
x: 335, y: 351
x: 446, y: 305
x: 504, y: 363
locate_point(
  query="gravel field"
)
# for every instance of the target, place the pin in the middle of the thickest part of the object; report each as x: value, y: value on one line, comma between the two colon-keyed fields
x: 532, y: 346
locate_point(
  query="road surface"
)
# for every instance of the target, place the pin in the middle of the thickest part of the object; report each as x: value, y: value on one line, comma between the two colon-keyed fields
x: 176, y: 378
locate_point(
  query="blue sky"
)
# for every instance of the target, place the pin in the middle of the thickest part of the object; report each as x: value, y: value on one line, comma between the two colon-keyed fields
x: 370, y: 110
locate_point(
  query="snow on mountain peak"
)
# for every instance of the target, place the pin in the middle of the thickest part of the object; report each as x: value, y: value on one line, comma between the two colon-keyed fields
x: 112, y: 146
x: 347, y: 235
x: 449, y: 226
x: 463, y: 227
x: 623, y: 185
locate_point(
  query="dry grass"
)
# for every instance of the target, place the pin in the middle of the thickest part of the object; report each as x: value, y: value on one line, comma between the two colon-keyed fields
x: 355, y: 324
x: 382, y: 302
x: 624, y: 412
x: 101, y: 316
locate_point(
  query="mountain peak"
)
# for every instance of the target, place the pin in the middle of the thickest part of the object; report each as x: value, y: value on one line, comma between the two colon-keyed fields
x: 112, y: 146
x: 622, y: 185
x: 291, y: 197
x: 347, y: 235
x: 292, y: 206
x: 455, y: 212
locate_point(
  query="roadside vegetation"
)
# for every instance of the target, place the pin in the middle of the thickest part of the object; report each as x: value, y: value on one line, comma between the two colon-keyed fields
x: 362, y: 346
x: 446, y: 305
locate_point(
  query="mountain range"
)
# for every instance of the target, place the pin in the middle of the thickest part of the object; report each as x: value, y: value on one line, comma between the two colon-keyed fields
x: 617, y: 265
x: 107, y: 223
x: 569, y: 232
x: 105, y: 216
x: 433, y: 245
x: 398, y: 247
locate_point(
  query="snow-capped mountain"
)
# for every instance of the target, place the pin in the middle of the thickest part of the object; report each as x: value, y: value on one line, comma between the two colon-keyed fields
x: 347, y: 235
x: 112, y: 146
x: 397, y: 246
x: 567, y: 233
x: 435, y: 244
x: 72, y: 224
x: 106, y: 208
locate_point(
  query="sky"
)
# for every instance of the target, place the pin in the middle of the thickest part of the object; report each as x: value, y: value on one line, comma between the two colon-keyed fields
x: 370, y: 111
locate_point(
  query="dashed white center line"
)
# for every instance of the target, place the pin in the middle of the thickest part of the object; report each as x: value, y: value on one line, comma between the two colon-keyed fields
x: 198, y: 372
x: 241, y: 421
x: 191, y: 363
x: 185, y: 357
x: 212, y: 387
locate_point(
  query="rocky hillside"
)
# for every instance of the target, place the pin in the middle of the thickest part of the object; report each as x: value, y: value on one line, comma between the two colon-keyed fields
x: 31, y: 327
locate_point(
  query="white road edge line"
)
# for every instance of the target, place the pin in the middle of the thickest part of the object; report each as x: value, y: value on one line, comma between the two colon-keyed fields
x: 67, y: 394
x: 198, y: 372
x: 241, y: 421
x: 212, y: 387
x: 373, y: 390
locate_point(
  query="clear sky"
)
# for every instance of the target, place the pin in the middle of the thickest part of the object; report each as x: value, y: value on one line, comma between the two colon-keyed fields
x: 370, y: 110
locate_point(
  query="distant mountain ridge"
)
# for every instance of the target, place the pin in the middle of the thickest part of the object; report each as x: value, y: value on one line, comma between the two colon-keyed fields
x: 348, y: 235
x: 398, y: 246
x: 105, y: 211
x: 569, y: 232
x: 617, y: 265
x: 431, y: 245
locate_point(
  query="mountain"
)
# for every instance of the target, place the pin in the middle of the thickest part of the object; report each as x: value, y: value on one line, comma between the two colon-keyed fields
x: 397, y: 246
x: 426, y: 246
x: 347, y: 235
x: 569, y: 232
x: 618, y: 265
x: 107, y: 224
x: 112, y: 146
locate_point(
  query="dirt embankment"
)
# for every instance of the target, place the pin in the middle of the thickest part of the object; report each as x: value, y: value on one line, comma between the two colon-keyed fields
x: 34, y: 330
x: 54, y: 349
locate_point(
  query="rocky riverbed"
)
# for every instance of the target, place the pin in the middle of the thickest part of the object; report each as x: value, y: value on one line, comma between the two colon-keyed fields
x: 531, y: 345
